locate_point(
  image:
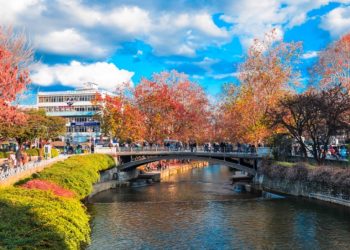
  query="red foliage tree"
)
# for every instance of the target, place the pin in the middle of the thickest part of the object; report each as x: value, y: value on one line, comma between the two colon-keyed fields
x: 121, y: 118
x: 15, y: 55
x: 173, y: 107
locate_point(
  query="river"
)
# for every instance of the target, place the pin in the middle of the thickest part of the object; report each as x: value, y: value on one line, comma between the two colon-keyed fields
x: 200, y: 210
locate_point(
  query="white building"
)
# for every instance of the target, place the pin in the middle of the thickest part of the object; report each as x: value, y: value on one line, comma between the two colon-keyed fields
x: 78, y: 107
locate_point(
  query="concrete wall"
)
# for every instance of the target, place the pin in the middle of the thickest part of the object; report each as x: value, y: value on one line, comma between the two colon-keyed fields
x: 181, y: 168
x: 303, y: 189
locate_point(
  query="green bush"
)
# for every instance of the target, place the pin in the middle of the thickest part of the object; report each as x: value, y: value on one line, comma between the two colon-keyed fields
x: 77, y: 173
x: 4, y: 154
x: 54, y: 152
x: 33, y: 152
x: 35, y: 219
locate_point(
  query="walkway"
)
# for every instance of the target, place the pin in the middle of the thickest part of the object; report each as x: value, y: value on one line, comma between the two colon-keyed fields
x: 11, y: 175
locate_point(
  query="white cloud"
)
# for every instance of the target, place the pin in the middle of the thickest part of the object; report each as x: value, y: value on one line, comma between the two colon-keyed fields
x: 309, y: 54
x: 252, y: 19
x: 10, y: 10
x: 106, y: 75
x: 99, y: 30
x: 176, y: 28
x: 337, y: 21
x: 130, y: 19
x: 222, y: 76
x: 68, y: 42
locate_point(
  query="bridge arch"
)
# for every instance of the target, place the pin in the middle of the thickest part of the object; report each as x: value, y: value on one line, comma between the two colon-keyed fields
x: 134, y: 164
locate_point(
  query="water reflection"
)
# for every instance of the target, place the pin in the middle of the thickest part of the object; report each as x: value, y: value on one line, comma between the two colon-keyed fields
x: 198, y: 210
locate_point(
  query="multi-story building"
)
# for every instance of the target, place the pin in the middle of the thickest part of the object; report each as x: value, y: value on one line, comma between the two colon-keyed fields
x: 78, y: 107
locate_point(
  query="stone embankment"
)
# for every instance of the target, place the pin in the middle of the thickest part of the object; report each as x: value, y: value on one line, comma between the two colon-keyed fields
x: 181, y: 168
x: 331, y: 184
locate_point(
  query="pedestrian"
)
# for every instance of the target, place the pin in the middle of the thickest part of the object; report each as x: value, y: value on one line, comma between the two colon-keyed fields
x: 18, y: 157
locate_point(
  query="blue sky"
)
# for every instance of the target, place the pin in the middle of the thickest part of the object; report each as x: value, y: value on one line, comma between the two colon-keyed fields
x: 111, y: 42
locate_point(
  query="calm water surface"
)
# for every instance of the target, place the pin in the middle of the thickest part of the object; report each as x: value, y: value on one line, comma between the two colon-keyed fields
x: 199, y: 210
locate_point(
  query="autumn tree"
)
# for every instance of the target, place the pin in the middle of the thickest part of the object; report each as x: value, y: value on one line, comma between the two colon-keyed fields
x: 37, y: 126
x: 173, y: 106
x: 15, y: 56
x: 268, y: 73
x: 120, y: 118
x: 314, y: 116
x: 333, y: 66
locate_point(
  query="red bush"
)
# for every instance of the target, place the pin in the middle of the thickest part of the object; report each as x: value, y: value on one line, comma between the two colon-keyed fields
x: 46, y: 185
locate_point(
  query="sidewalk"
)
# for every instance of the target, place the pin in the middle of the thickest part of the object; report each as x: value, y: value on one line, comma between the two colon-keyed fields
x: 12, y: 175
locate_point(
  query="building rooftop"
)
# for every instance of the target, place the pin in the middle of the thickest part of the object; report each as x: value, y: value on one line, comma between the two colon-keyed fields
x: 88, y: 88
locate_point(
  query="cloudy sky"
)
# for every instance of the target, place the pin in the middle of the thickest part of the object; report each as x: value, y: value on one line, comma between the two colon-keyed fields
x: 110, y: 42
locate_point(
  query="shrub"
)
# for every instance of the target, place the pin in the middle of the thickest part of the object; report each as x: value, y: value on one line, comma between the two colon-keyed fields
x: 54, y: 152
x: 77, y: 173
x: 321, y: 175
x: 35, y: 219
x: 48, y: 186
x: 297, y: 173
x: 4, y: 154
x: 32, y: 152
x: 43, y: 219
x: 274, y: 171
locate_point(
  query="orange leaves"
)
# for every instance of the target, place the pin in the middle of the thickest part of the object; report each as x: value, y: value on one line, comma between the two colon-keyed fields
x: 267, y: 74
x: 121, y: 118
x: 172, y: 105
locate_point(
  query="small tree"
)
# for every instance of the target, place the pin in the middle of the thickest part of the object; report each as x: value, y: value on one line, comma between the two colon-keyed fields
x: 313, y: 115
x: 37, y: 126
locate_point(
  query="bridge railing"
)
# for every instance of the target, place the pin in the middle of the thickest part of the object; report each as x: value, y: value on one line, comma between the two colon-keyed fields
x: 7, y: 172
x: 261, y: 151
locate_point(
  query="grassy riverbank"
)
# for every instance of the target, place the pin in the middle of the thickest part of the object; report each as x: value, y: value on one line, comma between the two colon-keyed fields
x: 37, y: 217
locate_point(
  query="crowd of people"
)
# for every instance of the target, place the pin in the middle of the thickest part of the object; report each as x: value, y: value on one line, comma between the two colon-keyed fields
x: 192, y: 146
x: 331, y: 151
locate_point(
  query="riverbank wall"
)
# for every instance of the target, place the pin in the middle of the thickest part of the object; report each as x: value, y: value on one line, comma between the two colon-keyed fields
x: 328, y: 184
x: 181, y: 168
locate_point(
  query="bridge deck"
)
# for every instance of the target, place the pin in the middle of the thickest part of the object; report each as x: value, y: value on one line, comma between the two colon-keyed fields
x: 188, y: 153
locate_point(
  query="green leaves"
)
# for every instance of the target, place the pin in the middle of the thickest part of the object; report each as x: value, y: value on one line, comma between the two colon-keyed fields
x: 36, y: 219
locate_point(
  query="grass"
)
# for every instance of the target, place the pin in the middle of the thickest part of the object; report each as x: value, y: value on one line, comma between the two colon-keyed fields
x: 294, y: 164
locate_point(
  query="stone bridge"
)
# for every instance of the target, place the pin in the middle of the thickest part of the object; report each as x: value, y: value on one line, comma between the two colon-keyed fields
x: 247, y: 162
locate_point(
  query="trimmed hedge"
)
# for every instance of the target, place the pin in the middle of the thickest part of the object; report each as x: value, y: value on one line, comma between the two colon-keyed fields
x: 4, y: 154
x: 34, y: 219
x: 54, y: 152
x: 33, y: 152
x: 77, y: 173
x: 37, y: 219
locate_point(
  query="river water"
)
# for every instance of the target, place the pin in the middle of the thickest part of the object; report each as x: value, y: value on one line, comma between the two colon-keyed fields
x: 199, y: 210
